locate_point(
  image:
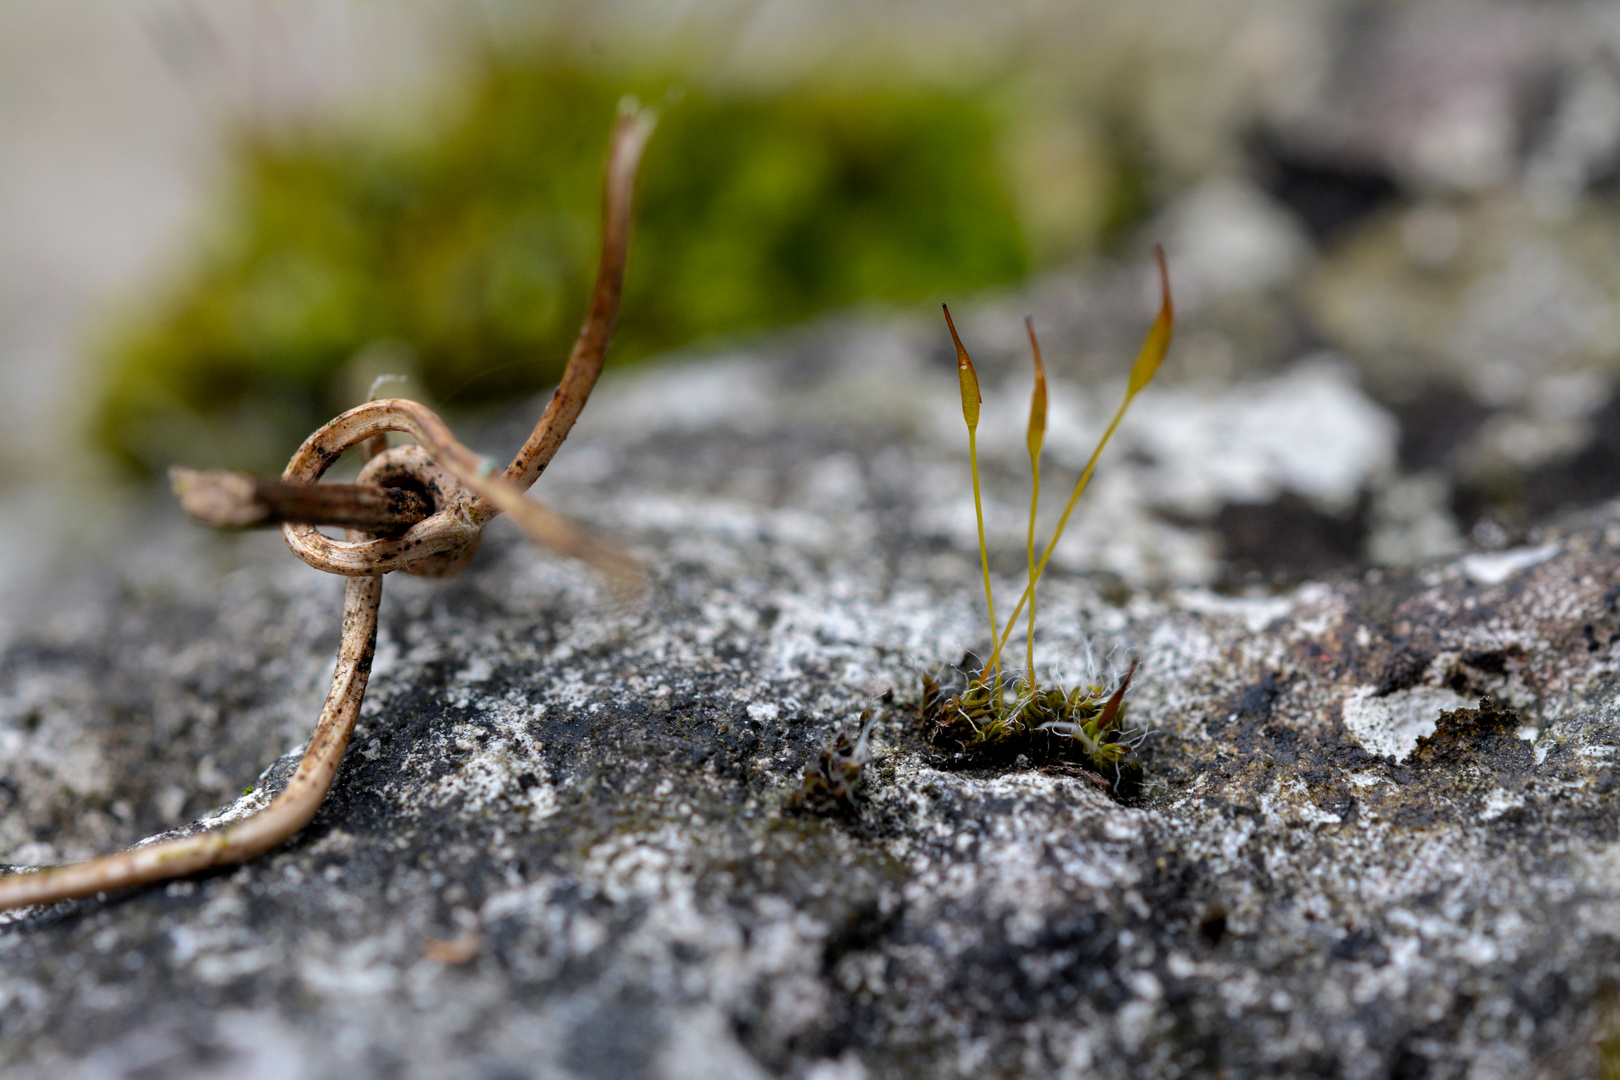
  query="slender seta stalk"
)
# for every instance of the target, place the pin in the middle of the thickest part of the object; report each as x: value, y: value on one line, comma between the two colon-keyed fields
x: 971, y: 400
x: 1142, y: 372
x: 1036, y: 435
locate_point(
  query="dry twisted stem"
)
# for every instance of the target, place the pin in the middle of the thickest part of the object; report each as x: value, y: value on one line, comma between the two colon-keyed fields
x: 465, y: 491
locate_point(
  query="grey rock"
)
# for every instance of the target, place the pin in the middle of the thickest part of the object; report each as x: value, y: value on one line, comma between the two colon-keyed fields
x: 558, y: 846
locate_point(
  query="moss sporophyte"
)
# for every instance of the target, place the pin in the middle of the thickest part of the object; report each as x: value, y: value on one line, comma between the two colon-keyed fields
x: 986, y: 712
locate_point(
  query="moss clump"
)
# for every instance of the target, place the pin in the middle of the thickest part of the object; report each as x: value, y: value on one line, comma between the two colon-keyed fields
x: 991, y: 723
x: 834, y: 778
x: 471, y: 252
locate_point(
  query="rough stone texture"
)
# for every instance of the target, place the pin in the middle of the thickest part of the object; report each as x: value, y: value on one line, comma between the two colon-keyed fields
x: 558, y: 846
x: 558, y: 849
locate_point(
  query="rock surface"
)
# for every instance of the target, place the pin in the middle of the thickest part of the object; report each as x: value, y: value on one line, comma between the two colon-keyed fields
x: 558, y: 846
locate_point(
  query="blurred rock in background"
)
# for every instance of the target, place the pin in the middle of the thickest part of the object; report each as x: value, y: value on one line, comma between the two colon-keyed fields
x: 243, y: 212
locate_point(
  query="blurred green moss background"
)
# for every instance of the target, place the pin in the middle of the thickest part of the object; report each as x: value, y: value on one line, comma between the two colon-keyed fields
x: 466, y: 257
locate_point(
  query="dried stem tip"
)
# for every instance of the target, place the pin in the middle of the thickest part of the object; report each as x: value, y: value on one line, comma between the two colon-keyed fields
x: 240, y: 501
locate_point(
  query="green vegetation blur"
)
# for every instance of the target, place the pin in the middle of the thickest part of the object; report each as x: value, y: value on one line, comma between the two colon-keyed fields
x: 468, y: 258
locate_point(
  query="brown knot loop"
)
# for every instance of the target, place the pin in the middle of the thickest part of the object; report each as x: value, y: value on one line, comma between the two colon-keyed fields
x: 413, y: 469
x: 447, y: 536
x: 467, y: 491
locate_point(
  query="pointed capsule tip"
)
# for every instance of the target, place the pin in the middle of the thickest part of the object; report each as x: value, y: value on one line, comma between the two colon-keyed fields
x: 1035, y: 351
x: 950, y: 323
x: 1164, y: 279
x: 1158, y: 339
x: 971, y: 398
x: 1036, y: 433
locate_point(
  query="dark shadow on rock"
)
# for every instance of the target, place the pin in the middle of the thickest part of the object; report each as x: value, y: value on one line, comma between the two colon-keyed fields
x: 1287, y: 540
x: 1331, y: 193
x: 1434, y: 424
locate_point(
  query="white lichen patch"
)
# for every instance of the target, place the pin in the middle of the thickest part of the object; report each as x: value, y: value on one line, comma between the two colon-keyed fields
x: 509, y: 766
x: 1310, y: 431
x: 251, y: 802
x: 1499, y: 802
x: 1289, y: 803
x: 1493, y: 568
x: 1392, y: 724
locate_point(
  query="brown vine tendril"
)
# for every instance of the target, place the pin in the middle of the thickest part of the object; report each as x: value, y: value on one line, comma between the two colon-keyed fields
x: 463, y: 492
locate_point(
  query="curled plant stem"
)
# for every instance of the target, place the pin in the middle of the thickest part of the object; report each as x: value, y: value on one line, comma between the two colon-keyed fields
x: 465, y: 490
